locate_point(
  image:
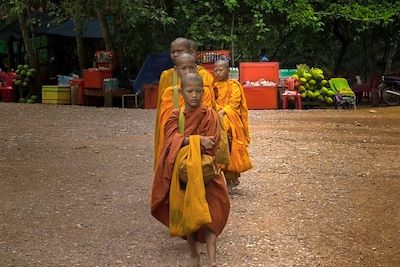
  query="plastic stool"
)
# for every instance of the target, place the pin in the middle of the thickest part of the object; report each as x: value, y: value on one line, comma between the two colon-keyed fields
x: 291, y: 93
x: 286, y: 98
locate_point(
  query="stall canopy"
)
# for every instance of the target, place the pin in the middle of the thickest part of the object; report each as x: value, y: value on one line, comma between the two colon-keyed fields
x: 154, y: 64
x: 91, y: 27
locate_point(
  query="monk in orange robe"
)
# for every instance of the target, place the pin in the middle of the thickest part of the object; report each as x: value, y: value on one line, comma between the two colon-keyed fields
x: 171, y: 98
x: 232, y: 107
x: 195, y: 211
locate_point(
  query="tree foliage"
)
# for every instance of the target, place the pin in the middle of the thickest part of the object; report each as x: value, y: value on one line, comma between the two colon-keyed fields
x: 341, y: 36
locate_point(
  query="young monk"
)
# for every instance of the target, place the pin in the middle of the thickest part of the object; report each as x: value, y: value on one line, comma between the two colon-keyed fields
x: 171, y: 98
x: 195, y: 211
x: 232, y: 107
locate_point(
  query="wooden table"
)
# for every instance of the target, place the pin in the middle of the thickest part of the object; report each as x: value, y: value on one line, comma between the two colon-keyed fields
x: 108, y: 95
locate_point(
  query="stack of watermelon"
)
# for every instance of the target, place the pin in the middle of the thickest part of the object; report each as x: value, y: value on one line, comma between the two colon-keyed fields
x: 24, y: 79
x: 312, y: 85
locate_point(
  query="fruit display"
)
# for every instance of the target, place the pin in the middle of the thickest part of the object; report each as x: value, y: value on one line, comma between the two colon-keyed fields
x: 312, y: 84
x: 24, y: 79
x: 24, y: 76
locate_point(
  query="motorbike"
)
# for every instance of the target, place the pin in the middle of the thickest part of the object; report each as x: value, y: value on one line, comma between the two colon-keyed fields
x: 390, y: 90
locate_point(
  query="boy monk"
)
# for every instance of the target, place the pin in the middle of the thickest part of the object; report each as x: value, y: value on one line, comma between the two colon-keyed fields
x: 171, y: 98
x: 232, y: 107
x: 195, y: 210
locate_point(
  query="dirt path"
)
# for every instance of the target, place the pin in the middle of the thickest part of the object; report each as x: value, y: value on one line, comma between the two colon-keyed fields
x: 74, y: 185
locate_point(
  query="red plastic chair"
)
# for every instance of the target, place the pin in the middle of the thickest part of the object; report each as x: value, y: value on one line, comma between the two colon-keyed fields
x: 290, y: 94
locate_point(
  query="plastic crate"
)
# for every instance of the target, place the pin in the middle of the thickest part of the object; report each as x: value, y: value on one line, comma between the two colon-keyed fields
x: 53, y: 94
x: 261, y: 97
x: 253, y: 71
x: 93, y: 77
x: 6, y: 94
x: 150, y: 96
x: 211, y: 56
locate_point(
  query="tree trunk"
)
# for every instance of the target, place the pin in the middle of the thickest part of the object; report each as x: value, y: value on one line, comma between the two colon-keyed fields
x: 30, y: 50
x: 390, y: 56
x: 343, y: 48
x: 80, y: 47
x: 108, y: 39
x: 105, y: 30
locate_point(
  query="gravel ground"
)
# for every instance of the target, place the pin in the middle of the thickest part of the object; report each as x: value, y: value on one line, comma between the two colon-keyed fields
x: 75, y: 182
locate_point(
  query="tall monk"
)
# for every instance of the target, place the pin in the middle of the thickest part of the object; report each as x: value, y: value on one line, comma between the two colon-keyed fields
x: 171, y: 98
x: 232, y: 107
x: 195, y: 210
x: 208, y: 78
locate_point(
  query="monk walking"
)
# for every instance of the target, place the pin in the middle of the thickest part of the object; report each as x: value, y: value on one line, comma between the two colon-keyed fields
x: 197, y: 208
x: 232, y: 107
x: 171, y: 98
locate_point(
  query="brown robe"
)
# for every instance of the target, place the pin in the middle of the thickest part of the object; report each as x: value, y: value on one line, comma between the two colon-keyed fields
x: 202, y: 121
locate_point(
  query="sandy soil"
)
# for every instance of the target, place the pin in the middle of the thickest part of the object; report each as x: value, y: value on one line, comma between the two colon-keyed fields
x: 74, y: 186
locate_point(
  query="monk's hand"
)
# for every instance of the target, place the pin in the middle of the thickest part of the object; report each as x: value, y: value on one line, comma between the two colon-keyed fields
x: 221, y: 113
x: 207, y: 142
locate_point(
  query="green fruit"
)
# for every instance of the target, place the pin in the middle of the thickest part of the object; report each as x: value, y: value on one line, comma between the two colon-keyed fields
x: 26, y: 66
x: 24, y: 84
x: 20, y: 67
x: 23, y: 72
x: 316, y: 94
x: 295, y: 76
x: 320, y: 77
x: 303, y: 80
x: 324, y: 91
x: 303, y: 95
x: 21, y: 100
x: 331, y: 93
x: 312, y: 82
x: 33, y: 70
x: 29, y: 73
x: 324, y: 82
x: 302, y: 88
x: 29, y: 101
x: 321, y: 98
x: 27, y: 79
x: 34, y: 98
x: 328, y: 100
x: 18, y: 82
x: 309, y: 94
x: 308, y: 76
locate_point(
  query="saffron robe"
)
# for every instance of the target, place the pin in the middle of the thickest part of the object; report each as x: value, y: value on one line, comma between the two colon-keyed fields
x: 202, y: 121
x: 231, y: 98
x: 165, y: 109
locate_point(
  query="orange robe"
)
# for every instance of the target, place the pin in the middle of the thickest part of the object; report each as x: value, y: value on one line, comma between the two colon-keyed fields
x: 231, y: 98
x: 202, y: 121
x: 167, y: 80
x: 166, y: 107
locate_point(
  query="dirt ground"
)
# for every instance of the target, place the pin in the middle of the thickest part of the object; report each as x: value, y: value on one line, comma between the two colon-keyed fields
x: 75, y: 181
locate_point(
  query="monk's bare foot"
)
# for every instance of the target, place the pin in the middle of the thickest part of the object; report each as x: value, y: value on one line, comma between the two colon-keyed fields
x: 195, y: 260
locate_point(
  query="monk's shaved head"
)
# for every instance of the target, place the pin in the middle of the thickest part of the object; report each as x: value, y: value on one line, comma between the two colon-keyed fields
x: 192, y: 77
x: 182, y: 42
x: 222, y: 63
x: 185, y: 57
